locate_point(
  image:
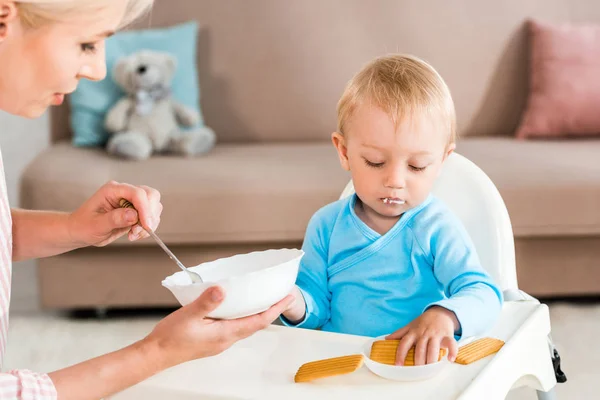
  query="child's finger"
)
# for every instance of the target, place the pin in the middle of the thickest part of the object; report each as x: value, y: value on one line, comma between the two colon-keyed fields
x: 405, y: 344
x: 450, y: 343
x: 421, y: 351
x: 399, y: 334
x: 433, y: 350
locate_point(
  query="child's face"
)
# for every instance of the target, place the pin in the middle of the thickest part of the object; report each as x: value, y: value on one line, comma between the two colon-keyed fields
x: 41, y: 65
x: 393, y: 170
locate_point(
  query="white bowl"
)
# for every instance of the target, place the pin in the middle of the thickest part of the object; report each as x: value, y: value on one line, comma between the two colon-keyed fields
x: 400, y: 372
x: 252, y: 282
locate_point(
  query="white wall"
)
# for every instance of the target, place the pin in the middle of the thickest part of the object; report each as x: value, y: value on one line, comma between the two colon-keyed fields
x: 20, y: 141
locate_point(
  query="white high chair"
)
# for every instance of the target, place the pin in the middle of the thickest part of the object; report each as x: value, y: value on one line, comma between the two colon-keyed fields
x: 263, y: 366
x: 473, y: 197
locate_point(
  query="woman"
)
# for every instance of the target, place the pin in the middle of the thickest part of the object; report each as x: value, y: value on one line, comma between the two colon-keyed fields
x: 46, y: 47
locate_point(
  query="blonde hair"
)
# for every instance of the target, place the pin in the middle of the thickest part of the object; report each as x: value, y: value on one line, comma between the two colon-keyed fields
x: 35, y: 13
x: 401, y: 86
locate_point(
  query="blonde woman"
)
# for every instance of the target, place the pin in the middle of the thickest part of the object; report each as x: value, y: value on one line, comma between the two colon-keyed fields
x: 46, y: 47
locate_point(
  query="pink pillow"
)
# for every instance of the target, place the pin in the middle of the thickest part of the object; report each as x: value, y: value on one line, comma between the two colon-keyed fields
x: 564, y: 98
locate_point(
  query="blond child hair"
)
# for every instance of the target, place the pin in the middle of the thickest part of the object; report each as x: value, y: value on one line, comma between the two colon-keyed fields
x: 402, y: 86
x: 35, y: 13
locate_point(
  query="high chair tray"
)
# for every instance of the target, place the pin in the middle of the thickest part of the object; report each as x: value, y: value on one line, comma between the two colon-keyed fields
x: 263, y: 367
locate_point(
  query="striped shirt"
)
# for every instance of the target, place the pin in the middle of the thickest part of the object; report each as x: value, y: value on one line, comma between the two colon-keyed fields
x: 15, y: 384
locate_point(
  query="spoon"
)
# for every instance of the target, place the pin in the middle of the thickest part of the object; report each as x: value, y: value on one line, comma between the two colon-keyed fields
x: 195, y: 277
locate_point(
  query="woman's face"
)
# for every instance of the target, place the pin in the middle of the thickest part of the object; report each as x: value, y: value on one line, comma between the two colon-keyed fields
x: 39, y: 66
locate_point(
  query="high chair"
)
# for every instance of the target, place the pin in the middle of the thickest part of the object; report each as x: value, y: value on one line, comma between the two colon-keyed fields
x: 473, y: 197
x: 263, y: 366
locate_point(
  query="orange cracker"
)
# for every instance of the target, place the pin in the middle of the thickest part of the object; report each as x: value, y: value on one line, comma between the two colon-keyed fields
x: 384, y: 352
x: 478, y: 349
x: 329, y: 367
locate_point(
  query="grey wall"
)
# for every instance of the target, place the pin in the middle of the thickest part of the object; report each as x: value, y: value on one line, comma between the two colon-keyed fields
x: 20, y: 141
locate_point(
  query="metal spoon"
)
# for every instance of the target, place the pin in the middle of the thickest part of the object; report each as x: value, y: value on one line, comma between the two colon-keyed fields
x: 194, y: 276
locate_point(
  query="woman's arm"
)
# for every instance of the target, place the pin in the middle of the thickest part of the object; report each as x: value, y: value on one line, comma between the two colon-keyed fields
x: 110, y: 373
x: 98, y: 222
x: 182, y: 336
x: 38, y: 234
x: 91, y: 379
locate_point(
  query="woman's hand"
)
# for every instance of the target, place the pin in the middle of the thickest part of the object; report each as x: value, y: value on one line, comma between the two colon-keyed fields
x: 187, y: 333
x: 100, y: 220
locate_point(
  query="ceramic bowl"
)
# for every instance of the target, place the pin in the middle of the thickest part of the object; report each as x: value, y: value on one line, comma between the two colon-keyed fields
x: 252, y: 282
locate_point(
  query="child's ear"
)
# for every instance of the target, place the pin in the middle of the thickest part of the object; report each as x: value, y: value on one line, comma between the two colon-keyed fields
x: 340, y: 145
x: 449, y: 150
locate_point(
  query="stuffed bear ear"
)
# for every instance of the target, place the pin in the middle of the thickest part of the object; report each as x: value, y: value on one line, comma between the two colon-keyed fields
x: 120, y: 73
x: 170, y: 65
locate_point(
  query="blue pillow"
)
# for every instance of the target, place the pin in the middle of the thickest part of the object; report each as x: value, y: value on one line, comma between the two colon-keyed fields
x: 92, y: 100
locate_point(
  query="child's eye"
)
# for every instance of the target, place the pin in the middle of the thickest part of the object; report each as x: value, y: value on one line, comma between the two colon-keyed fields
x: 417, y: 169
x: 374, y: 165
x: 88, y: 47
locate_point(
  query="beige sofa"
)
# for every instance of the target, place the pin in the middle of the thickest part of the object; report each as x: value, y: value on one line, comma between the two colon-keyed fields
x: 271, y: 73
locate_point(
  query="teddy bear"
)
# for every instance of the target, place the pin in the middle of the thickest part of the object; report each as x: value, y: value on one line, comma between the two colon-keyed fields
x: 148, y: 120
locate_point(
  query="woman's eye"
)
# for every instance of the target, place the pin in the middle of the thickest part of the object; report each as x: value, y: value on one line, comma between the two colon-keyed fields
x: 417, y: 169
x: 374, y: 165
x: 88, y: 47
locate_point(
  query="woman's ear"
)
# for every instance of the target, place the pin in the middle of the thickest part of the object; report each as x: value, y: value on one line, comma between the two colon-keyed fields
x: 339, y: 141
x: 8, y: 15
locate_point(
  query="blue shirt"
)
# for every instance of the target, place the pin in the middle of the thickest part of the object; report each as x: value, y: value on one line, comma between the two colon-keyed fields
x: 356, y: 281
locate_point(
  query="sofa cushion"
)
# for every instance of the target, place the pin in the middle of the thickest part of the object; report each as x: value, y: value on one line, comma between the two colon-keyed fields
x: 564, y: 88
x: 551, y: 188
x: 268, y: 192
x: 236, y: 193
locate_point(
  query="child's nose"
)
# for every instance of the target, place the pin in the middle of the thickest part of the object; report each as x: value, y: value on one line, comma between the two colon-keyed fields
x: 396, y: 178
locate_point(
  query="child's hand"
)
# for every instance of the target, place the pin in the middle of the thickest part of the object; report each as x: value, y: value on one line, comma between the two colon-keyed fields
x: 297, y: 309
x: 100, y: 220
x: 433, y: 329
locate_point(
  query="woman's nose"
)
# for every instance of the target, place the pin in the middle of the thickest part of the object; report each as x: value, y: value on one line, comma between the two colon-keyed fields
x: 94, y: 70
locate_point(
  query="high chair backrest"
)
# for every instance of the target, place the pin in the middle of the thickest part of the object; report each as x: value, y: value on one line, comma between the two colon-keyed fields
x: 472, y: 196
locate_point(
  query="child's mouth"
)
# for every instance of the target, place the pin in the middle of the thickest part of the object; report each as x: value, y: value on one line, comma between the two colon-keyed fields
x: 393, y: 200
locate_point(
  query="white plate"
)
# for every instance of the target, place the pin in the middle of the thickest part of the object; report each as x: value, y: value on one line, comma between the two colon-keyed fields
x: 401, y: 373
